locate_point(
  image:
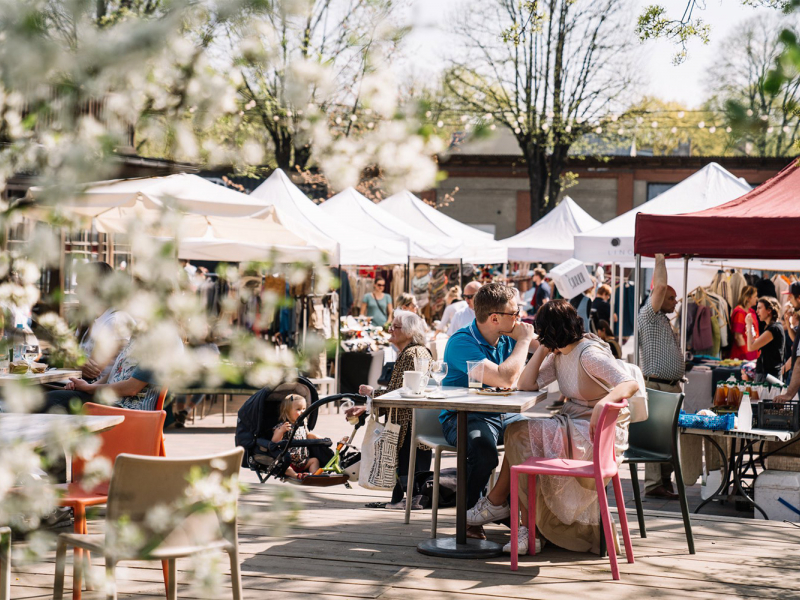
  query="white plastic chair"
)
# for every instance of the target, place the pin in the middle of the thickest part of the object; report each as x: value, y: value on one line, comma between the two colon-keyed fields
x: 139, y: 483
x: 426, y: 429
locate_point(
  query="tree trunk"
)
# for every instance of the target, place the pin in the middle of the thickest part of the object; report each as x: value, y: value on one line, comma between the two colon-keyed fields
x: 537, y: 178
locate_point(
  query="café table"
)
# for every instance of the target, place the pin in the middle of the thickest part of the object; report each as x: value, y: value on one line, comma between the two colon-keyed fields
x: 742, y: 442
x: 35, y: 428
x: 49, y: 376
x: 463, y: 401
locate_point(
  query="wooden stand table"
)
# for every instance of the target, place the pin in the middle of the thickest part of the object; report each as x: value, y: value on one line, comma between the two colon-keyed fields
x: 462, y: 402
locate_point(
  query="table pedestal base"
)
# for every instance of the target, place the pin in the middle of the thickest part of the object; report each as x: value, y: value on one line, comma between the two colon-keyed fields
x: 448, y: 548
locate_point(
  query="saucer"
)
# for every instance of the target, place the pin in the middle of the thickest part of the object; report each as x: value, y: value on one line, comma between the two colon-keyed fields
x: 436, y: 396
x: 410, y: 395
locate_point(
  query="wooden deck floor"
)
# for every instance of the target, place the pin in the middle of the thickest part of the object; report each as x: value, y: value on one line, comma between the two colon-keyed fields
x: 340, y: 550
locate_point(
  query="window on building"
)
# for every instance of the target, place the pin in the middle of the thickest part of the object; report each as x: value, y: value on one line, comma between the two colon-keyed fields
x: 656, y: 189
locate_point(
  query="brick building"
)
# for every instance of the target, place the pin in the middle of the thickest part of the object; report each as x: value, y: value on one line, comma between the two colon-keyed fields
x: 494, y: 192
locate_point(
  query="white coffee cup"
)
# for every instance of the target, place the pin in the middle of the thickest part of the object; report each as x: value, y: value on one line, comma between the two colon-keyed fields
x: 415, y: 381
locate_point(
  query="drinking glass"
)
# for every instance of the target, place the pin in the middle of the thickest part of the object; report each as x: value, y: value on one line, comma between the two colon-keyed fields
x: 438, y: 372
x: 422, y: 364
x: 475, y: 373
x: 30, y: 352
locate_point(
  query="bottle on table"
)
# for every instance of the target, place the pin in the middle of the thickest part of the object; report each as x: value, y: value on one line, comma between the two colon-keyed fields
x: 18, y: 342
x: 745, y: 414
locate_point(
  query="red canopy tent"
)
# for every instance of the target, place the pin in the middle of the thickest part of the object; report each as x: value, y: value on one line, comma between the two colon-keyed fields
x: 764, y: 223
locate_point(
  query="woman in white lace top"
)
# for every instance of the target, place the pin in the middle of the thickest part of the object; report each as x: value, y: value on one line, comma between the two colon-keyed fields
x: 567, y: 511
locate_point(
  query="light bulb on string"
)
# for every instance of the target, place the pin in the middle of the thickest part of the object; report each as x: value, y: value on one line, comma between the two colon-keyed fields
x: 464, y: 118
x: 770, y: 129
x: 568, y: 128
x: 712, y: 129
x: 599, y: 130
x: 428, y: 114
x: 785, y: 129
x: 440, y: 124
x: 621, y: 130
x: 614, y: 117
x: 728, y: 129
x: 492, y: 126
x: 654, y: 124
x: 517, y: 130
x: 640, y: 120
x: 701, y: 124
x: 749, y: 112
x: 674, y: 130
x: 681, y: 114
x: 764, y: 117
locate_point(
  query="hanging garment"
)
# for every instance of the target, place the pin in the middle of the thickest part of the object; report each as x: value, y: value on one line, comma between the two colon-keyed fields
x: 398, y: 283
x: 627, y: 325
x: 765, y: 287
x: 736, y: 284
x: 702, y: 336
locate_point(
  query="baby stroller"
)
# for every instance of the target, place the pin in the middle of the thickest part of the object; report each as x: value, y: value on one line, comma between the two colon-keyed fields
x: 259, y: 415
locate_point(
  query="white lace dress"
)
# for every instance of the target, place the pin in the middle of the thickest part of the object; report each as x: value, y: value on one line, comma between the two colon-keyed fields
x: 567, y: 511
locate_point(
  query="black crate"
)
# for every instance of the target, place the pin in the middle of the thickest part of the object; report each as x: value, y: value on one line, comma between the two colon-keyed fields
x: 784, y: 416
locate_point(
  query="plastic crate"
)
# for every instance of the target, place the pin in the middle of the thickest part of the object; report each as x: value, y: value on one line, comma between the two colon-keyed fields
x: 783, y: 416
x: 718, y: 423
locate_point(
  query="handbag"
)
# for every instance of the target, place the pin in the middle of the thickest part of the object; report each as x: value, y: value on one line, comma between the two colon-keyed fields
x: 379, y: 455
x: 637, y: 404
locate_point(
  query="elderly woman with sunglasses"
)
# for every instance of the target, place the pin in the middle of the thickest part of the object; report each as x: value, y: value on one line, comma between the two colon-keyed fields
x: 408, y: 336
x: 378, y: 304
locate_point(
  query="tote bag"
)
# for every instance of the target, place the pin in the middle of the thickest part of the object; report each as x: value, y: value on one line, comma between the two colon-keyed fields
x: 379, y: 455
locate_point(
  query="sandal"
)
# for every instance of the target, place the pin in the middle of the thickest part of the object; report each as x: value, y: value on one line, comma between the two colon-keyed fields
x: 375, y: 505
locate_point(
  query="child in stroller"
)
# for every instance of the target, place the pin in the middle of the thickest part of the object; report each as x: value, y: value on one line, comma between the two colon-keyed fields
x: 256, y: 432
x: 292, y: 406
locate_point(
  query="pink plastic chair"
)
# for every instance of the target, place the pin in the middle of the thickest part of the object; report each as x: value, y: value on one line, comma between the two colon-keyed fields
x: 603, y: 465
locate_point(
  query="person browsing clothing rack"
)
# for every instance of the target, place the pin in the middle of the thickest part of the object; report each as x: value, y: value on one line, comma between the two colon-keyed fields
x: 378, y: 304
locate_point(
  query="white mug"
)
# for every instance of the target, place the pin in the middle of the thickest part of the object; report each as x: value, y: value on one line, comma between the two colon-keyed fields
x: 415, y: 381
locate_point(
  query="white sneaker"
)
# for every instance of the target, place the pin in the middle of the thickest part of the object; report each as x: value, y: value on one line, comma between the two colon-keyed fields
x: 522, y: 542
x: 485, y: 512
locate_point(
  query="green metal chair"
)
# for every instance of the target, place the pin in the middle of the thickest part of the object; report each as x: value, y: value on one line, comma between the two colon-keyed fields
x: 656, y: 440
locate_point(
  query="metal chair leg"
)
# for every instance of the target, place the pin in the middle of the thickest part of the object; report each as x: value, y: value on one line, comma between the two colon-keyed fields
x: 437, y: 467
x: 687, y: 524
x: 637, y: 497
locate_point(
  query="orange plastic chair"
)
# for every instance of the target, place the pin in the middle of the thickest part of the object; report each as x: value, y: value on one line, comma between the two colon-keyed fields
x: 603, y: 465
x: 160, y: 406
x: 142, y: 433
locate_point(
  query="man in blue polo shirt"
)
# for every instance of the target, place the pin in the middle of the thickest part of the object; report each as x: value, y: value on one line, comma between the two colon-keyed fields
x: 496, y: 338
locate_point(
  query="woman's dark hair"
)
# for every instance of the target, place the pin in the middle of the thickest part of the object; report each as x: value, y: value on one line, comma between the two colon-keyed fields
x: 558, y: 324
x: 771, y: 304
x: 604, y: 325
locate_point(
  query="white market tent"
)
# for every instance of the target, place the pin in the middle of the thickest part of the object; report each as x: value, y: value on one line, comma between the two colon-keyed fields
x: 261, y: 236
x: 218, y: 223
x: 365, y: 215
x: 357, y: 246
x: 188, y: 193
x: 613, y: 241
x: 479, y: 246
x: 552, y: 238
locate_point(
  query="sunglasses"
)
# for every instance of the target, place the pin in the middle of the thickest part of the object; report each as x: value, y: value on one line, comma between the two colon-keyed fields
x: 514, y: 314
x: 467, y: 296
x: 380, y: 284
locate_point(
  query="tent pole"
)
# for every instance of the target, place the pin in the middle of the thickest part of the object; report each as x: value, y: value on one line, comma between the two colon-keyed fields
x: 636, y: 299
x: 683, y: 303
x: 621, y: 303
x: 613, y: 292
x: 408, y: 275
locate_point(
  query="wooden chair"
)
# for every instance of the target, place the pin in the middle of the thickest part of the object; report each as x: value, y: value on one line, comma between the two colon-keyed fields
x: 142, y: 432
x: 139, y: 483
x: 602, y: 465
